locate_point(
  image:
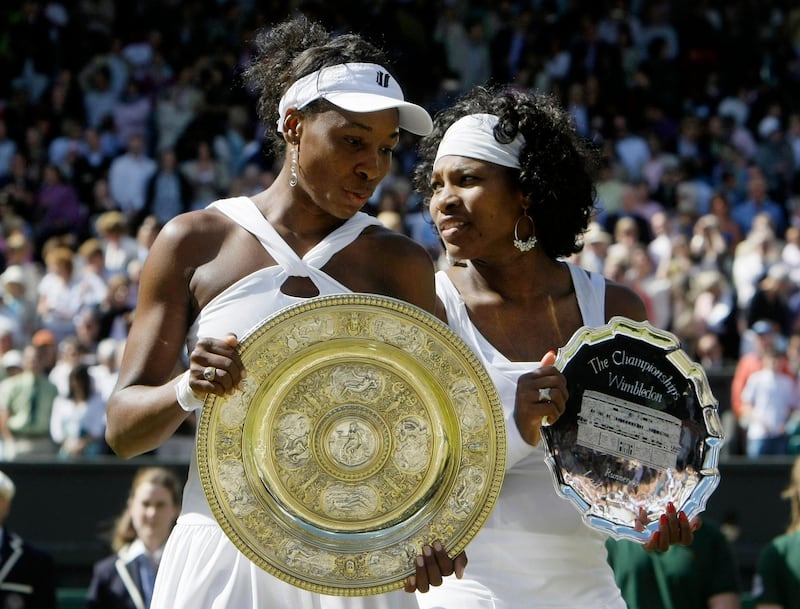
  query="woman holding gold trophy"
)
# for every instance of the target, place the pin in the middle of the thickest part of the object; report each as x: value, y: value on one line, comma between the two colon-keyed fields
x: 213, y: 274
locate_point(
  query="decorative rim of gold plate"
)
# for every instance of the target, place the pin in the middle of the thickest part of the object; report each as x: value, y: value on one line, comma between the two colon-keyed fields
x: 364, y: 429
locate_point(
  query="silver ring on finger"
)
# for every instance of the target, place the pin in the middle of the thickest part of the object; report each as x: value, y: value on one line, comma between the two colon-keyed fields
x: 209, y: 373
x: 544, y: 395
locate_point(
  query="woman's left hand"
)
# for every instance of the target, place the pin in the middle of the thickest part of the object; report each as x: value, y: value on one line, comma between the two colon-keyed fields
x: 674, y: 528
x: 540, y: 400
x: 432, y: 566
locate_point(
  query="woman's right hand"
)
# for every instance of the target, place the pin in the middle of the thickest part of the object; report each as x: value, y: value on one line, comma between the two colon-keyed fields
x: 215, y: 366
x: 541, y: 398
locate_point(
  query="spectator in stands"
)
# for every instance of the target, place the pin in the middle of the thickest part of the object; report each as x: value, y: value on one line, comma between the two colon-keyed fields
x: 775, y: 157
x: 751, y: 261
x: 87, y: 331
x: 763, y: 335
x: 29, y: 574
x: 207, y: 176
x: 92, y: 271
x: 169, y: 193
x: 117, y: 310
x: 595, y: 248
x: 100, y: 93
x: 104, y: 372
x: 26, y: 403
x: 631, y: 148
x: 119, y: 247
x: 125, y: 579
x: 769, y: 399
x: 771, y: 299
x: 78, y: 420
x: 708, y: 245
x: 92, y: 165
x: 21, y: 309
x: 708, y: 352
x: 11, y: 364
x: 47, y: 346
x: 777, y: 581
x: 720, y: 207
x: 703, y: 575
x: 58, y: 210
x: 128, y: 176
x: 60, y: 293
x: 132, y: 113
x: 758, y: 201
x: 70, y: 354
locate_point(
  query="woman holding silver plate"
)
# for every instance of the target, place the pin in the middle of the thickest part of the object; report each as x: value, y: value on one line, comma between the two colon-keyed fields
x: 511, y: 192
x: 214, y: 274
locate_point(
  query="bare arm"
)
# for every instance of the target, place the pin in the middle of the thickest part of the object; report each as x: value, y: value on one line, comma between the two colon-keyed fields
x: 621, y: 300
x: 143, y: 410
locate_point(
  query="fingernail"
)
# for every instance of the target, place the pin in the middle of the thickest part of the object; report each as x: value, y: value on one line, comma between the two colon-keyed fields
x: 671, y: 508
x: 437, y: 546
x: 412, y: 581
x: 663, y: 520
x: 420, y: 560
x: 459, y: 571
x: 426, y: 550
x: 683, y: 517
x: 552, y: 352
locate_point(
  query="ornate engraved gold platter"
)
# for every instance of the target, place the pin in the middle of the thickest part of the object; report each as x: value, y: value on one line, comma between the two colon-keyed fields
x: 365, y: 428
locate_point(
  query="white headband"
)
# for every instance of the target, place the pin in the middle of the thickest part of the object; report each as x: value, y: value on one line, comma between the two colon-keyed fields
x: 356, y: 87
x: 472, y: 136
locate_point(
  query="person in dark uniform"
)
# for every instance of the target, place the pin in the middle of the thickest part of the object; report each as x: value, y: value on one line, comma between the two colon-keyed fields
x: 125, y: 579
x: 27, y: 574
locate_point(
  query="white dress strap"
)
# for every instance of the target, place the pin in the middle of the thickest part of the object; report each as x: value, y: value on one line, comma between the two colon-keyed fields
x: 244, y: 212
x: 590, y: 290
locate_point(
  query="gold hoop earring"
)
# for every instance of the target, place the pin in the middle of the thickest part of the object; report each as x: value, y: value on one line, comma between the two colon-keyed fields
x: 530, y: 242
x: 293, y: 167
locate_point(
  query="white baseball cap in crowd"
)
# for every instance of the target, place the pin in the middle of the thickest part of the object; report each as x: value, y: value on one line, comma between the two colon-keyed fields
x: 13, y: 274
x: 356, y: 87
x: 7, y: 488
x: 12, y: 359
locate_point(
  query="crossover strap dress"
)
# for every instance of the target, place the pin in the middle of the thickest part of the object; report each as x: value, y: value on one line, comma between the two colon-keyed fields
x: 201, y: 568
x: 534, y: 551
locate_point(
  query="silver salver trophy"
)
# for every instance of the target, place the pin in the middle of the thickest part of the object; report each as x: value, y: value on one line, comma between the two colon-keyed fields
x: 641, y: 428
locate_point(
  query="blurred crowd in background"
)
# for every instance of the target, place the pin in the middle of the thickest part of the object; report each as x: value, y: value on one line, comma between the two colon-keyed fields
x: 115, y: 117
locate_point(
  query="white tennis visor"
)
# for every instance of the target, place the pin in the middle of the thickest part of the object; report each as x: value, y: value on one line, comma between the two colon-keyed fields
x: 356, y: 87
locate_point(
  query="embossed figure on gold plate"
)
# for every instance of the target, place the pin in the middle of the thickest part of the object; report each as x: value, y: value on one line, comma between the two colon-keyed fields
x: 365, y: 428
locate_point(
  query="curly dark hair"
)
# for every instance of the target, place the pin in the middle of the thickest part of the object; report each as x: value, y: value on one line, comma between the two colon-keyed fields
x: 557, y: 166
x: 292, y: 49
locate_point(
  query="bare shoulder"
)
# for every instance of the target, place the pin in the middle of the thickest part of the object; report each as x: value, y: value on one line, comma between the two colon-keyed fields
x: 622, y: 300
x: 193, y: 234
x: 391, y: 263
x: 399, y: 244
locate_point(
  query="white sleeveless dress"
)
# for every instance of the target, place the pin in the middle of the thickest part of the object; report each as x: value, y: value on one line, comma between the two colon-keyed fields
x: 201, y: 568
x: 534, y: 552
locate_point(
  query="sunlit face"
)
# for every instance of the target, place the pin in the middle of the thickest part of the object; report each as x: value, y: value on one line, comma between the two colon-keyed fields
x: 153, y: 513
x: 343, y: 156
x: 474, y: 206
